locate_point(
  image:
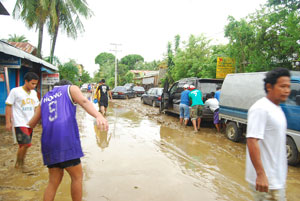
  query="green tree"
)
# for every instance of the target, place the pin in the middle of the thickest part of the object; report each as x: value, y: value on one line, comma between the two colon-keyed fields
x: 16, y: 38
x: 65, y: 15
x: 131, y: 59
x: 34, y: 15
x: 104, y: 58
x: 193, y: 59
x: 85, y: 77
x: 69, y: 71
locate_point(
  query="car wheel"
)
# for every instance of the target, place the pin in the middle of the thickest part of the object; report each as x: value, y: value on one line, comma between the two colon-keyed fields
x: 233, y: 133
x: 292, y: 151
x: 153, y: 104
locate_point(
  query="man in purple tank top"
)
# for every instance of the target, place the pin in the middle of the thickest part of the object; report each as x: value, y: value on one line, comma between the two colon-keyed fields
x: 61, y: 146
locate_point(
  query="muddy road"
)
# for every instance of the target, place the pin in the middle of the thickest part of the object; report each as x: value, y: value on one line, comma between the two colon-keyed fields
x: 144, y: 156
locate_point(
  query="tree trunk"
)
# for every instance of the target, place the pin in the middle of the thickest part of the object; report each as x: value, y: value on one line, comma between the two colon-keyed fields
x: 53, y: 43
x: 40, y: 41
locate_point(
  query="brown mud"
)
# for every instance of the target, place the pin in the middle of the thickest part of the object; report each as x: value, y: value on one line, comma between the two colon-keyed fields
x: 145, y: 155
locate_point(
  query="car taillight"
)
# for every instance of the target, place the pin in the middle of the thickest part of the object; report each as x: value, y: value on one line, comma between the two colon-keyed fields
x: 121, y: 93
x: 159, y: 98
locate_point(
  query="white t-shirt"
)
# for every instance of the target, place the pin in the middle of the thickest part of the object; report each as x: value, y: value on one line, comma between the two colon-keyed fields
x: 267, y: 122
x: 212, y: 103
x: 23, y: 104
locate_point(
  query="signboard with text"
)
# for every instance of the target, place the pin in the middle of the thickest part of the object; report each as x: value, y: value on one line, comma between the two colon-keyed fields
x: 225, y: 65
x: 50, y: 79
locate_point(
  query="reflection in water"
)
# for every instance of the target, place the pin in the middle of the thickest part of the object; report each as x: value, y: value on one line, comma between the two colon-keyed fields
x: 102, y: 139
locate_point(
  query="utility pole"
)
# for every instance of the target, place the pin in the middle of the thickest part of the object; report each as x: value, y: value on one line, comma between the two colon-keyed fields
x: 116, y: 61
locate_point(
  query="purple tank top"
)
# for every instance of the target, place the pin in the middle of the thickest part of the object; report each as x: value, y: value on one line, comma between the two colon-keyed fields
x: 60, y: 136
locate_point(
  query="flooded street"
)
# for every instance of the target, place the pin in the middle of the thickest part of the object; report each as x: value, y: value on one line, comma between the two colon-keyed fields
x: 144, y: 156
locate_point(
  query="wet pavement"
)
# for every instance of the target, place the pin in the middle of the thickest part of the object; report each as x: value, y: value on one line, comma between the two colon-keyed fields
x: 144, y: 156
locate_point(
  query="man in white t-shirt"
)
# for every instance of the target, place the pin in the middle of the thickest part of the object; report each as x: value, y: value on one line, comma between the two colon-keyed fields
x: 213, y: 105
x: 266, y: 160
x: 20, y: 105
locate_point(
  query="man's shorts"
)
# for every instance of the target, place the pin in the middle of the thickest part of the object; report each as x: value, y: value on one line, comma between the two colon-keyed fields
x: 24, y: 136
x: 104, y: 102
x: 216, y: 116
x: 196, y: 112
x: 66, y: 164
x: 184, y: 111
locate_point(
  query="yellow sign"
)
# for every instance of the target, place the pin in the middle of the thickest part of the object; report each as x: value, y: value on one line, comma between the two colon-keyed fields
x: 225, y: 65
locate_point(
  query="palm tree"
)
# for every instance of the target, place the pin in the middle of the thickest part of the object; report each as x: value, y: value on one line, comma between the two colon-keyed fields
x: 66, y: 14
x: 34, y: 15
x: 15, y: 38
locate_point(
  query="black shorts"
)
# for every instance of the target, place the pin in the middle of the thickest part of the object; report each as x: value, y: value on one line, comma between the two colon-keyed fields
x: 65, y: 164
x: 104, y: 102
x: 24, y: 136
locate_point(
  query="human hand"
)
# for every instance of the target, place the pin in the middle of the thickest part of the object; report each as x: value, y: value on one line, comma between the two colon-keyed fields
x: 262, y: 184
x: 8, y: 126
x: 102, y: 123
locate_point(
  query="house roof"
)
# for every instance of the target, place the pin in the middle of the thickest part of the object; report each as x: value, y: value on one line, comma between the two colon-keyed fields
x: 11, y: 50
x: 25, y: 46
x: 3, y: 11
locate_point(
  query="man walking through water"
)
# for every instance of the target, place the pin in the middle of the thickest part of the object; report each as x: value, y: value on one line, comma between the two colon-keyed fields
x: 61, y: 146
x: 266, y: 160
x: 197, y: 105
x: 104, y: 93
x: 20, y: 104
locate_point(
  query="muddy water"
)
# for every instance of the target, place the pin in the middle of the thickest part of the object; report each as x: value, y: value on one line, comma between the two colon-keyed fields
x: 144, y: 156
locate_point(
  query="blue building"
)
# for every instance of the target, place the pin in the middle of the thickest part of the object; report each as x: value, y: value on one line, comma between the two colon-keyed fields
x: 14, y: 63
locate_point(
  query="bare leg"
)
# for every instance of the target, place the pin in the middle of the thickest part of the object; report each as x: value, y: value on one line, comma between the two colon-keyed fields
x: 180, y: 120
x: 218, y: 127
x: 55, y: 177
x: 76, y: 175
x: 21, y: 156
x: 199, y: 122
x: 194, y: 124
x: 102, y: 110
x: 186, y: 122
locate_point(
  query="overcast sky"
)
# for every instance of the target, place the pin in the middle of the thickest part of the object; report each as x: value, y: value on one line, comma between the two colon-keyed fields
x: 143, y: 27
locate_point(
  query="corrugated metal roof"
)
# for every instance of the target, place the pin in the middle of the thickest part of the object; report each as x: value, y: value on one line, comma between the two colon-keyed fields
x: 11, y: 50
x: 25, y: 46
x: 3, y: 11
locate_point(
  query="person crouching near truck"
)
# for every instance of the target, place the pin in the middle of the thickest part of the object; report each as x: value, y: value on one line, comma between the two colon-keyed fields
x: 197, y: 106
x: 266, y: 159
x: 184, y: 105
x: 213, y: 105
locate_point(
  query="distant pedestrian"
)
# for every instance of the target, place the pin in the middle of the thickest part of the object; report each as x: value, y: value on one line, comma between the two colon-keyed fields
x: 218, y: 93
x: 266, y: 159
x: 61, y: 146
x: 197, y: 106
x: 213, y: 105
x: 20, y: 105
x: 105, y: 93
x: 184, y: 105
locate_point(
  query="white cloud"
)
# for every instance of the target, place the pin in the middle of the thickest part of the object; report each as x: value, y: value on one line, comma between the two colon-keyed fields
x: 142, y: 26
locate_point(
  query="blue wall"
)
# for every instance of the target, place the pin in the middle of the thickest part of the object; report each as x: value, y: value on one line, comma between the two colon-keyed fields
x: 3, y: 95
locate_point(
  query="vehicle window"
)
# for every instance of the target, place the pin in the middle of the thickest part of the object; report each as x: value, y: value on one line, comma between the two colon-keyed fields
x: 155, y: 92
x: 160, y: 91
x: 150, y: 91
x: 174, y: 88
x: 207, y: 87
x: 189, y: 82
x: 295, y: 90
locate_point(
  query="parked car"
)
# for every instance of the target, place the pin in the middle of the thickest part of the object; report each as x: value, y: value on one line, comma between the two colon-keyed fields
x: 139, y: 91
x: 152, y: 97
x: 240, y: 91
x: 129, y: 86
x: 122, y: 93
x: 171, y: 97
